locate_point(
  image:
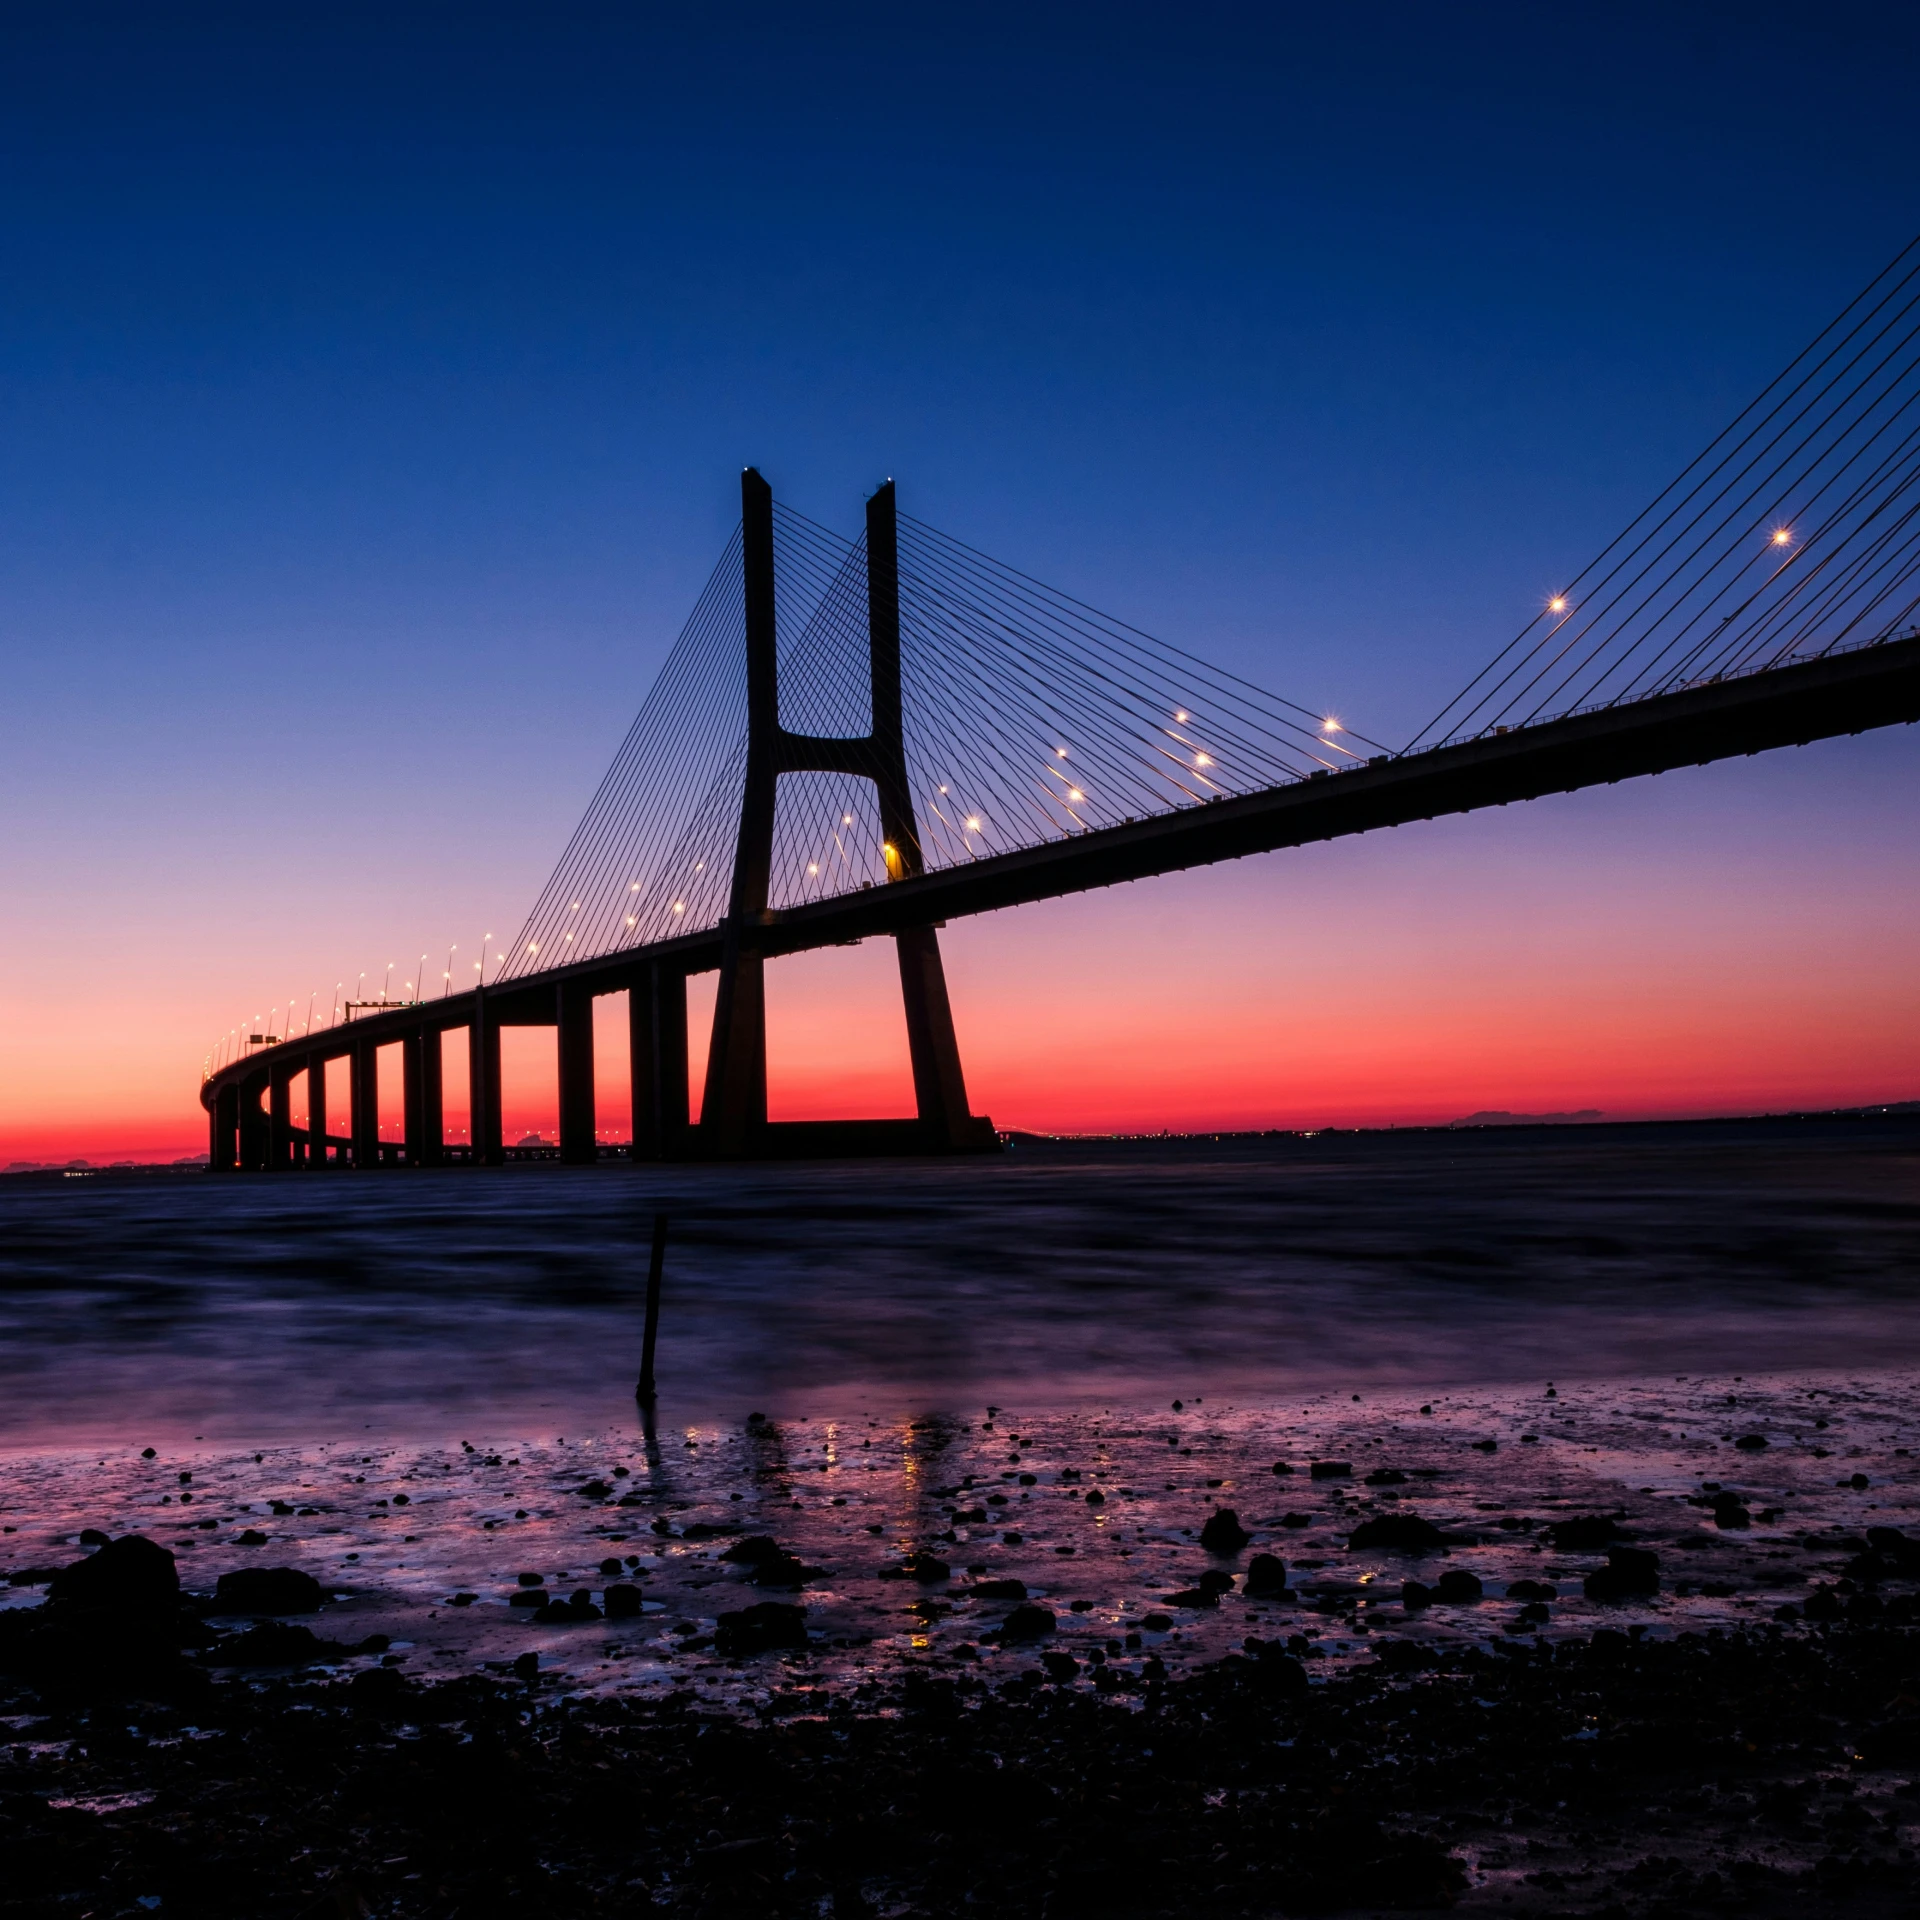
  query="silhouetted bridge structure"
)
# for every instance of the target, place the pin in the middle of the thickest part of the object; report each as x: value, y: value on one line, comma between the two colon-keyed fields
x: 868, y: 739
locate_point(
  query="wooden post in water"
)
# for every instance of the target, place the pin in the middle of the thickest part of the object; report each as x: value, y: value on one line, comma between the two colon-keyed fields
x: 644, y: 1391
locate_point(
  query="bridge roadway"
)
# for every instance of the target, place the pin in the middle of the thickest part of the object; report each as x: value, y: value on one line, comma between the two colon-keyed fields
x: 248, y: 1103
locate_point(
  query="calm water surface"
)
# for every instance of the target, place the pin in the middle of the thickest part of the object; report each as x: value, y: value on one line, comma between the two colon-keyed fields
x: 329, y: 1305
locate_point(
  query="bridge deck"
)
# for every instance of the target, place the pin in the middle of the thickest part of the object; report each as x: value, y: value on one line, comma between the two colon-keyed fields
x: 1873, y: 686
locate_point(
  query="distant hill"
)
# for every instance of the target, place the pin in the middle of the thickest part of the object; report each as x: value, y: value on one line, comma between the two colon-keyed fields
x: 1499, y: 1117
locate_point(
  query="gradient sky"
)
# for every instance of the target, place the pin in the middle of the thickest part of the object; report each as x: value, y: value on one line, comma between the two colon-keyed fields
x: 373, y: 392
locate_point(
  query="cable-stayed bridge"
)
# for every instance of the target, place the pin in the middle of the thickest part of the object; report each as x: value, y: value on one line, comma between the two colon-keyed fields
x: 866, y: 738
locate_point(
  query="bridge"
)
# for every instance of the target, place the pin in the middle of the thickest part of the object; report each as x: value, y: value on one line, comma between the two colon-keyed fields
x: 870, y: 738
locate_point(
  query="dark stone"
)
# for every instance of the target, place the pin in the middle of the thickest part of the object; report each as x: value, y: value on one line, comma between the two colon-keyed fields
x: 1194, y: 1597
x: 611, y: 1567
x: 1331, y: 1470
x: 786, y: 1571
x: 1386, y: 1477
x: 462, y: 1599
x: 1630, y: 1572
x: 755, y: 1549
x: 272, y: 1643
x: 1752, y: 1443
x: 761, y: 1628
x: 93, y: 1537
x: 1096, y: 1498
x: 1822, y: 1604
x: 1060, y: 1666
x: 378, y: 1687
x: 1224, y: 1533
x: 1281, y: 1467
x: 1296, y: 1520
x: 1027, y: 1623
x: 1486, y: 1446
x: 528, y: 1597
x: 1457, y: 1586
x: 923, y: 1567
x: 252, y: 1537
x: 1212, y: 1581
x: 527, y: 1665
x: 1730, y: 1512
x: 130, y: 1574
x: 1531, y: 1590
x: 594, y: 1490
x: 1586, y: 1534
x: 1266, y: 1573
x: 1415, y: 1594
x: 268, y: 1590
x: 1399, y: 1656
x: 1398, y: 1533
x: 623, y: 1602
x: 531, y: 1579
x: 997, y: 1590
x: 1157, y: 1622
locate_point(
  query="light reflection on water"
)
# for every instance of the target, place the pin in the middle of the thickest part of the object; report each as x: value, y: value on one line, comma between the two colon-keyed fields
x: 311, y: 1306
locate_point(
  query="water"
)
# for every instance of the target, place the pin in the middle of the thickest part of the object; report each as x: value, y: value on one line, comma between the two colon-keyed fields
x: 420, y: 1386
x: 418, y: 1304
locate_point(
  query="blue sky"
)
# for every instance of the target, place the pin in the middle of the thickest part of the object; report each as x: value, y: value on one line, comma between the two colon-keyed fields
x: 374, y: 384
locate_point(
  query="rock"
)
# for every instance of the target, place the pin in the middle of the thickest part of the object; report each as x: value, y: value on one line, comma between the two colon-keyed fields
x: 531, y: 1579
x: 268, y: 1590
x: 527, y: 1597
x: 1822, y: 1604
x: 1531, y: 1590
x: 1266, y: 1573
x: 378, y: 1687
x: 1399, y: 1656
x: 623, y: 1602
x: 593, y: 1490
x: 756, y: 1548
x: 1224, y: 1533
x: 923, y: 1567
x: 1486, y: 1446
x: 760, y: 1629
x: 786, y: 1571
x: 1027, y: 1623
x: 1415, y: 1594
x: 1157, y: 1622
x: 1281, y: 1467
x: 1295, y: 1521
x: 1730, y: 1512
x: 1629, y: 1573
x: 93, y: 1537
x: 1194, y: 1597
x: 130, y: 1574
x: 1386, y: 1477
x: 462, y: 1599
x: 272, y: 1643
x: 527, y: 1665
x: 1331, y: 1470
x: 997, y: 1590
x: 1456, y: 1587
x: 1752, y: 1443
x: 1211, y: 1581
x: 1096, y: 1498
x: 1586, y: 1534
x: 610, y: 1567
x: 252, y: 1537
x: 1060, y: 1666
x: 1398, y: 1533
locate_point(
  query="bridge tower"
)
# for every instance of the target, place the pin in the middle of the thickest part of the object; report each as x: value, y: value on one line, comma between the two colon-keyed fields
x: 733, y: 1110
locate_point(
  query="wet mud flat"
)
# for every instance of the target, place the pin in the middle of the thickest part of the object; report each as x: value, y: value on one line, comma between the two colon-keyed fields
x: 1625, y: 1647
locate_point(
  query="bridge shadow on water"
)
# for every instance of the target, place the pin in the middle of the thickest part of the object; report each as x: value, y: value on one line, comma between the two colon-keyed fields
x: 1073, y: 1272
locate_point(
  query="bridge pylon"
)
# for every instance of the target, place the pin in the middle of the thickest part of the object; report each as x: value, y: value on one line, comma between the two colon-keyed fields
x: 733, y: 1108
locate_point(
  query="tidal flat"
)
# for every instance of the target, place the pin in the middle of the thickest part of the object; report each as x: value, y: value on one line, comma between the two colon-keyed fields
x: 1524, y: 1525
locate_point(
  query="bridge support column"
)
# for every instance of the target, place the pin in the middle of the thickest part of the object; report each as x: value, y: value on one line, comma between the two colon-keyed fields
x: 413, y: 1098
x: 433, y: 1117
x: 939, y: 1085
x: 735, y: 1103
x: 573, y: 1015
x: 316, y: 1110
x: 254, y: 1129
x: 657, y: 1052
x: 280, y: 1116
x: 483, y: 1082
x: 223, y: 1144
x: 365, y: 1091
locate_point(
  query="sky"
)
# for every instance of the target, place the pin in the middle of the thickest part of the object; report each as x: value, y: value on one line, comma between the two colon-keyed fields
x: 374, y: 385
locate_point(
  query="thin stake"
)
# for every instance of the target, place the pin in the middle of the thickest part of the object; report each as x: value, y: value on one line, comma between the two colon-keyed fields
x: 644, y: 1391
